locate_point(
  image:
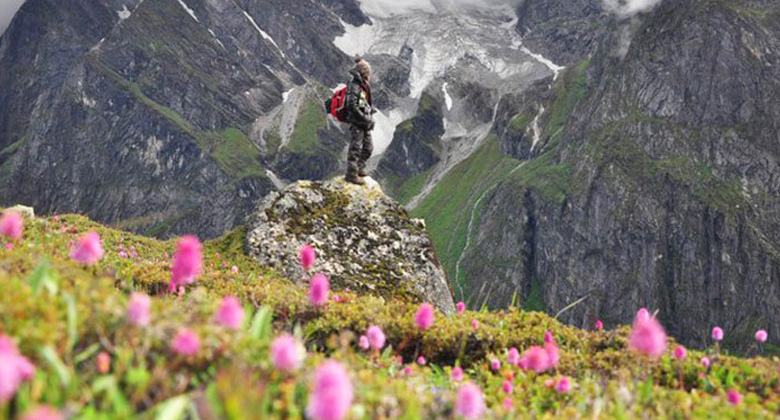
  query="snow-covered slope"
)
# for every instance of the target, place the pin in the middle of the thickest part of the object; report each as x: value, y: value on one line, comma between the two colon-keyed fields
x: 456, y: 44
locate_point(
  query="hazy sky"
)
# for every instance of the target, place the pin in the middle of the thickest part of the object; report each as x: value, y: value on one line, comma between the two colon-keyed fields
x: 7, y: 10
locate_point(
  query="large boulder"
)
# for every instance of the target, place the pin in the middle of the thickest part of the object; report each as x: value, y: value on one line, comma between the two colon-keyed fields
x: 365, y: 241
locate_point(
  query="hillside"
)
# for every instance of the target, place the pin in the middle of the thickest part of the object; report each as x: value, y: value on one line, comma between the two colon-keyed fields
x: 62, y: 316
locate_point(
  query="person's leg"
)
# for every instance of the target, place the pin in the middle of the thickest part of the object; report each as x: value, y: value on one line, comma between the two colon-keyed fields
x: 365, y: 152
x: 353, y: 156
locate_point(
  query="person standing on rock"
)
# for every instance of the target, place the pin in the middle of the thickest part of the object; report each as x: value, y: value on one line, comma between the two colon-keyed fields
x: 360, y: 116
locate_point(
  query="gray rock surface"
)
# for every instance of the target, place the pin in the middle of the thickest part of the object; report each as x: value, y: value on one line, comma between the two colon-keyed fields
x: 365, y: 241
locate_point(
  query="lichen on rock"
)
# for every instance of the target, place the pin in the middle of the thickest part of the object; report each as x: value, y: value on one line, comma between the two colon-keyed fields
x: 365, y: 241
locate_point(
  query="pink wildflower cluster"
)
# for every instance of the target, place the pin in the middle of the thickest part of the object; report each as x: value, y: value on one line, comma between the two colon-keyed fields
x: 307, y: 257
x: 647, y: 335
x: 424, y: 316
x: 376, y: 337
x: 11, y: 225
x: 319, y: 289
x: 541, y: 359
x: 14, y: 369
x: 331, y: 395
x: 469, y: 401
x: 286, y: 353
x: 230, y: 313
x: 186, y: 343
x: 187, y: 263
x: 138, y: 309
x: 89, y: 249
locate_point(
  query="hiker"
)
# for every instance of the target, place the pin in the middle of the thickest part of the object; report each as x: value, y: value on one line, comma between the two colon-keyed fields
x: 361, y: 119
x: 353, y: 105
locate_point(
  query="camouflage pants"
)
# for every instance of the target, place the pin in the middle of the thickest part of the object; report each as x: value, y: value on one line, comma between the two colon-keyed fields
x: 361, y: 146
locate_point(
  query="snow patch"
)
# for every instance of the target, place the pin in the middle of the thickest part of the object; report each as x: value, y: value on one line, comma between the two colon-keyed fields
x: 385, y: 129
x: 556, y: 69
x: 535, y: 127
x: 124, y: 13
x: 286, y: 95
x: 388, y: 8
x: 447, y: 97
x: 190, y: 11
x: 88, y: 102
x: 263, y: 33
x: 217, y: 39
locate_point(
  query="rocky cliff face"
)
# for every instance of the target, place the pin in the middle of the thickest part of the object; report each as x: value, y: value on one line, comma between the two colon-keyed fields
x: 661, y: 187
x: 364, y: 240
x: 152, y: 114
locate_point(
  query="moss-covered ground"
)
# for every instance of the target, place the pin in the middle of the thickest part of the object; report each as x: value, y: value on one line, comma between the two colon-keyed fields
x: 62, y: 315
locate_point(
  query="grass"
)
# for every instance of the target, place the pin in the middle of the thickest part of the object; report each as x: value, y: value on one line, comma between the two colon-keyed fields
x: 447, y: 209
x: 61, y: 315
x: 311, y: 119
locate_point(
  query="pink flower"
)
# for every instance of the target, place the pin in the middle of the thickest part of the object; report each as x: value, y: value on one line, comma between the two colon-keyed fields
x: 11, y: 225
x: 421, y: 361
x: 286, y: 353
x: 495, y: 365
x: 508, y: 404
x: 424, y: 316
x: 122, y: 254
x: 14, y: 369
x: 234, y: 269
x: 43, y: 413
x: 514, y: 357
x: 456, y: 374
x: 680, y: 352
x: 705, y: 362
x: 717, y: 333
x: 552, y: 354
x: 549, y: 383
x: 138, y: 309
x: 336, y: 298
x: 187, y: 263
x: 643, y: 314
x: 469, y: 402
x: 103, y: 362
x: 733, y: 397
x: 564, y: 385
x: 460, y: 307
x: 506, y: 386
x: 599, y: 325
x: 319, y: 288
x: 537, y: 359
x: 408, y: 370
x: 761, y: 336
x: 307, y: 257
x: 648, y: 336
x: 331, y: 394
x: 230, y: 313
x: 186, y: 343
x: 9, y: 246
x: 89, y: 249
x: 474, y: 324
x: 548, y: 337
x: 376, y: 337
x: 363, y: 342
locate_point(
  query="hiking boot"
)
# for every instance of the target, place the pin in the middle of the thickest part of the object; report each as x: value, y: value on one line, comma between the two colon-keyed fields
x: 354, y: 180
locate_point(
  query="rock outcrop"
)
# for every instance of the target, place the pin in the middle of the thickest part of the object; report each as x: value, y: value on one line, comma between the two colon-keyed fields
x: 365, y: 241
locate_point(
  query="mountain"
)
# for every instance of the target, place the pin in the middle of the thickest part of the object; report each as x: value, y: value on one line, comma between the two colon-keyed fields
x: 573, y: 156
x: 657, y: 182
x: 166, y: 116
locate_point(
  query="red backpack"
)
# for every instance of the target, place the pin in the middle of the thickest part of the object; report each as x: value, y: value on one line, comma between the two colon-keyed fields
x: 336, y: 105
